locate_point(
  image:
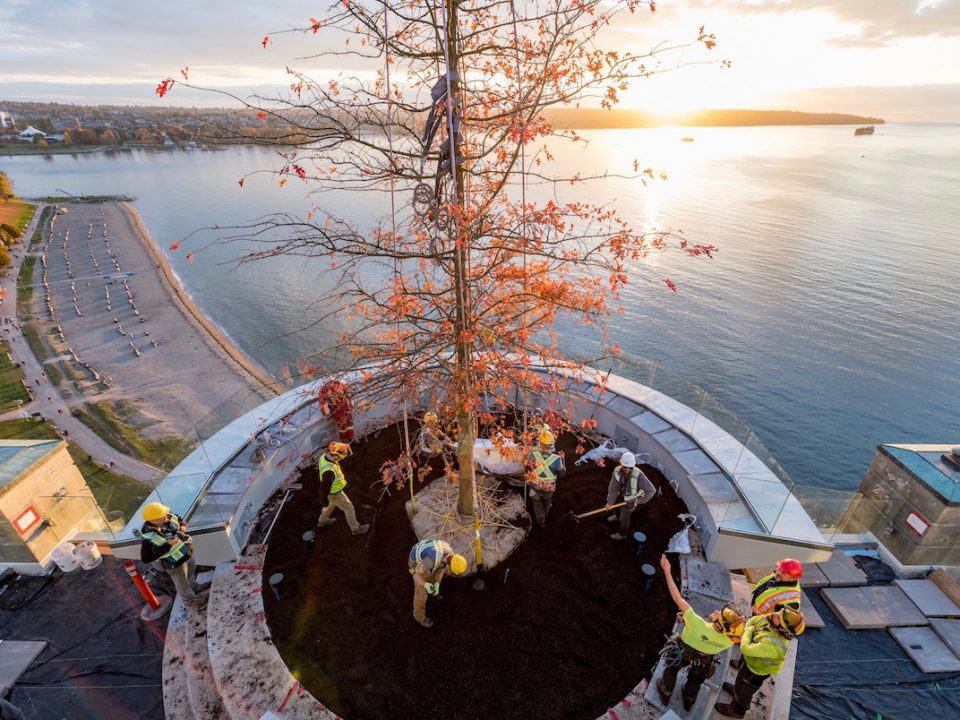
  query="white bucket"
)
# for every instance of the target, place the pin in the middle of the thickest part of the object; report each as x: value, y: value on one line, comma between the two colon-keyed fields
x: 88, y: 555
x: 63, y: 556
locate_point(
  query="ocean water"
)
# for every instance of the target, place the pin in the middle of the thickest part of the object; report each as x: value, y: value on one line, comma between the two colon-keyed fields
x: 828, y: 322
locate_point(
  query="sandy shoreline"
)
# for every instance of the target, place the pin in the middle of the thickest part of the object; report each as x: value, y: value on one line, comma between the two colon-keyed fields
x: 179, y: 295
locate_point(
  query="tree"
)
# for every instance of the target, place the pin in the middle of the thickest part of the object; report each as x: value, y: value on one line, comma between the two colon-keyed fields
x: 6, y: 187
x: 465, y: 276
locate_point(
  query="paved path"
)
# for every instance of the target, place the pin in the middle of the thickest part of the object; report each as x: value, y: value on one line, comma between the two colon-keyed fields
x: 32, y: 370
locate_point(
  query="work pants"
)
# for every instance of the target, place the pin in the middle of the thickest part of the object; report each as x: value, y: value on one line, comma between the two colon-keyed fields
x: 699, y: 665
x: 420, y: 598
x: 339, y: 500
x: 624, y: 517
x: 184, y: 578
x: 541, y: 500
x: 746, y: 685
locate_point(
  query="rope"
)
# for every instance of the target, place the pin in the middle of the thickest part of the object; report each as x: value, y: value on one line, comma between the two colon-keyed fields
x: 393, y: 226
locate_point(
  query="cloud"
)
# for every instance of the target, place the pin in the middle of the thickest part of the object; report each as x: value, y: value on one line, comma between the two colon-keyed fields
x: 879, y: 23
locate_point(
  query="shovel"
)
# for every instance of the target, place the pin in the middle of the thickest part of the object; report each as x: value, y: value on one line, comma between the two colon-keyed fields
x: 579, y: 517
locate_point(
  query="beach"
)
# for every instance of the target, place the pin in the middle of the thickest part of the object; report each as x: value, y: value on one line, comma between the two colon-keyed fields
x: 138, y: 341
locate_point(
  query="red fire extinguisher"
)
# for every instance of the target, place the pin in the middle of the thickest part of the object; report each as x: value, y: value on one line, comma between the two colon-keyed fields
x: 334, y: 402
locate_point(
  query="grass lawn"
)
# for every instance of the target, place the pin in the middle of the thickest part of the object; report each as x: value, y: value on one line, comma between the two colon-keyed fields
x: 16, y: 213
x: 11, y: 389
x: 117, y: 495
x: 111, y: 421
x: 38, y: 231
x: 25, y: 279
x: 36, y: 343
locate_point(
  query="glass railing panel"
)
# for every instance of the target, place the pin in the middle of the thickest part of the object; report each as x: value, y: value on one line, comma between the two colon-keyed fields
x: 70, y: 515
x: 761, y: 453
x: 765, y: 497
x: 832, y: 511
x: 181, y: 492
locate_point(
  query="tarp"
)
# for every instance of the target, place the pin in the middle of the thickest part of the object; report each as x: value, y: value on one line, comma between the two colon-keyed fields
x: 864, y: 674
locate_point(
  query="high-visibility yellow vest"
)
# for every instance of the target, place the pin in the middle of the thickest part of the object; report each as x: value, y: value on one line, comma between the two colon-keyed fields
x: 339, y: 481
x: 776, y: 596
x: 176, y: 552
x: 765, y: 665
x: 543, y: 469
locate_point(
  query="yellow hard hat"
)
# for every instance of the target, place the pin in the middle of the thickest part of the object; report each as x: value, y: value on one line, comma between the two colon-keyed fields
x: 458, y: 563
x: 792, y: 621
x: 546, y: 437
x: 730, y: 621
x: 430, y: 417
x: 339, y: 450
x: 154, y: 511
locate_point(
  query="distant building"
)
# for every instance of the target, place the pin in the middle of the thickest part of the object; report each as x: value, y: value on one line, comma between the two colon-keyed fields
x: 30, y: 134
x: 8, y: 126
x: 44, y: 501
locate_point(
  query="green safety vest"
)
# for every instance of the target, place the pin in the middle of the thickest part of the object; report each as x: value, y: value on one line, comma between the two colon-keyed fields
x: 339, y: 481
x: 543, y: 471
x: 763, y: 665
x: 776, y: 596
x: 632, y: 491
x: 176, y: 552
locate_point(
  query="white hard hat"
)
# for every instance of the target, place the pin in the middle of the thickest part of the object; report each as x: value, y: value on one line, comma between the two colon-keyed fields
x: 628, y: 460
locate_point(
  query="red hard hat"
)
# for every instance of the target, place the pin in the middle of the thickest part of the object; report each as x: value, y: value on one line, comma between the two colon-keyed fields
x: 791, y: 567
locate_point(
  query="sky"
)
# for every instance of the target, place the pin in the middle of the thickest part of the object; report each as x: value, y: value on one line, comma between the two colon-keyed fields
x: 895, y: 59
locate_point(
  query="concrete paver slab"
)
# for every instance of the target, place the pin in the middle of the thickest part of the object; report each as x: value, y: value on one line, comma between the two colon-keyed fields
x: 948, y: 631
x: 842, y: 571
x: 926, y: 649
x: 813, y: 577
x: 712, y: 579
x: 811, y: 618
x: 931, y: 600
x: 895, y: 605
x: 15, y: 657
x: 854, y: 608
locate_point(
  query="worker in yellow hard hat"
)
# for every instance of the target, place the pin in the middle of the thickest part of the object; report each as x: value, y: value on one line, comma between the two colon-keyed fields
x: 428, y: 562
x: 546, y: 466
x: 433, y: 441
x: 164, y: 541
x: 765, y: 643
x: 697, y: 646
x: 332, y: 483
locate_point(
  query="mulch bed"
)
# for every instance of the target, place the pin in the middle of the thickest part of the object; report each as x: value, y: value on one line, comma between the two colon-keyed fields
x: 563, y: 629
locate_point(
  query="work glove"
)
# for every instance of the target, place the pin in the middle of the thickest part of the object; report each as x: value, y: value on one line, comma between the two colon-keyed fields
x: 432, y: 588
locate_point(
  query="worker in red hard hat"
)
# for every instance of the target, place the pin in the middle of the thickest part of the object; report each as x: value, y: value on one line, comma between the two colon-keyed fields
x: 332, y: 483
x: 778, y: 590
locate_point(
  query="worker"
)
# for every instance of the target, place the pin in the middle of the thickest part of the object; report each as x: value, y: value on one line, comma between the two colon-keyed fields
x: 697, y: 646
x: 332, y: 483
x: 779, y: 589
x: 164, y: 540
x: 428, y: 562
x: 764, y: 644
x: 628, y: 485
x: 432, y: 441
x: 547, y: 467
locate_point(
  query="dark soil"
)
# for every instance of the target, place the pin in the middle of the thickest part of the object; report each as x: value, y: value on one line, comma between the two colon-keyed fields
x: 563, y: 629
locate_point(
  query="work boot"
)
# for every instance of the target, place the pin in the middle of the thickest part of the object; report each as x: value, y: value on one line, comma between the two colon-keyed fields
x: 612, y: 518
x: 324, y: 523
x: 426, y: 622
x: 728, y: 710
x: 664, y: 695
x: 363, y: 529
x: 687, y: 704
x: 618, y: 536
x: 728, y: 686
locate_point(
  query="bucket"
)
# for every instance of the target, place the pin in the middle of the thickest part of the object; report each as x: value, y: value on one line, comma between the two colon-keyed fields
x: 88, y: 555
x: 62, y: 555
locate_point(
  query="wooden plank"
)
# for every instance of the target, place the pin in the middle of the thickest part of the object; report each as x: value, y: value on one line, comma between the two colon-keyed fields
x: 951, y: 588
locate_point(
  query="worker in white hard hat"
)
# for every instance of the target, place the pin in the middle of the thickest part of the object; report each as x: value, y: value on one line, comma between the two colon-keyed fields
x: 164, y: 540
x: 628, y: 485
x: 332, y: 484
x: 546, y: 467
